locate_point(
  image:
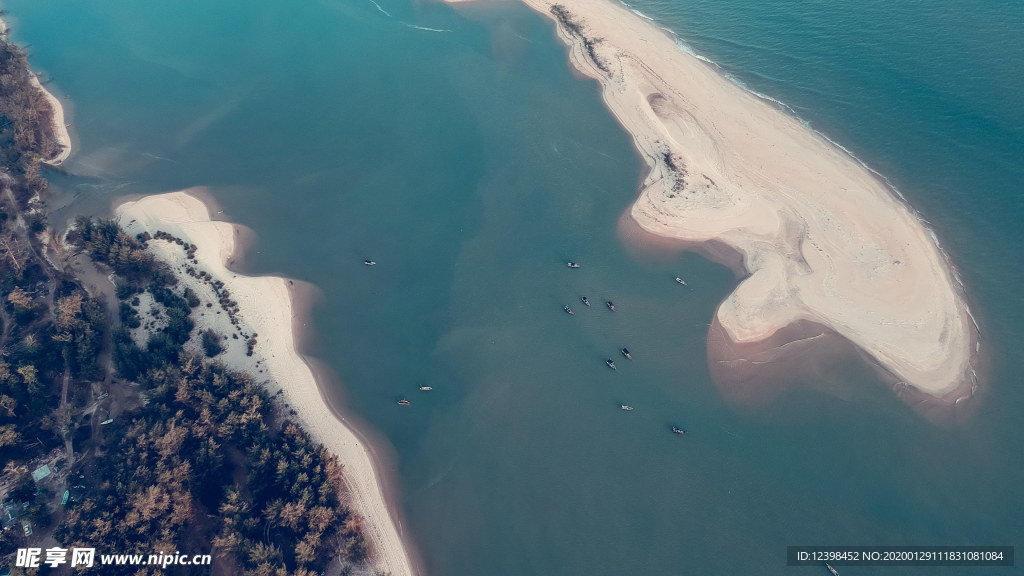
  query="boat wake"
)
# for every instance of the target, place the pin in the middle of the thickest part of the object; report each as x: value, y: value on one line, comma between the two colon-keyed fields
x: 385, y: 12
x: 424, y: 28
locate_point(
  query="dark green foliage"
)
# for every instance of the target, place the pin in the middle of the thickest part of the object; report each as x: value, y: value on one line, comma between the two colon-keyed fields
x: 129, y: 361
x: 26, y: 134
x: 163, y: 346
x: 81, y: 323
x: 105, y: 242
x: 169, y: 470
x: 167, y: 343
x: 211, y: 343
x: 129, y: 316
x: 125, y: 290
x: 25, y: 316
x: 191, y: 298
x: 24, y: 492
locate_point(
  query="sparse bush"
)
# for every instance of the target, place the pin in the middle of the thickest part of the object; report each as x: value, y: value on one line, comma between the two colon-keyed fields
x: 211, y: 343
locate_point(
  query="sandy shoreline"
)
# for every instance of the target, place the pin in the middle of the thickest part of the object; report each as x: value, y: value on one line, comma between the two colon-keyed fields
x: 60, y: 128
x: 268, y: 309
x: 822, y: 239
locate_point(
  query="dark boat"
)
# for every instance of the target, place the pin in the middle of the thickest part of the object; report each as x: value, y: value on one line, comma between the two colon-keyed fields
x: 404, y: 403
x: 572, y: 265
x: 626, y: 353
x: 678, y: 430
x: 610, y: 364
x: 610, y: 305
x: 369, y: 262
x: 567, y: 310
x: 832, y: 570
x: 585, y: 300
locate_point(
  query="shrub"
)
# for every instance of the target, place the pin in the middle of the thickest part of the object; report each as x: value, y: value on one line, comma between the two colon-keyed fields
x: 211, y: 343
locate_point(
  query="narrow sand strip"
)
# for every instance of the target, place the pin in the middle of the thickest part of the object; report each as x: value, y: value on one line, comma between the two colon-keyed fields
x: 60, y: 129
x: 266, y: 309
x: 822, y: 239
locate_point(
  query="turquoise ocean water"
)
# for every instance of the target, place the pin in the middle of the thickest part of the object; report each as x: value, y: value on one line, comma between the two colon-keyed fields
x: 457, y: 149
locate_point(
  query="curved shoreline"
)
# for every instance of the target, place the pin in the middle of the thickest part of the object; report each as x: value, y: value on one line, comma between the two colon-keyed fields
x: 58, y: 124
x: 270, y: 310
x: 821, y: 238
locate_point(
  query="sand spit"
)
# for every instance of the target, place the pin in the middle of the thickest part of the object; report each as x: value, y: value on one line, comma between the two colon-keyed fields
x: 266, y: 309
x: 822, y: 240
x: 60, y: 128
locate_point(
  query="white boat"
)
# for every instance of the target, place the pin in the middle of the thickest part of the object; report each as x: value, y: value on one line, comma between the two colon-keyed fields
x: 625, y: 407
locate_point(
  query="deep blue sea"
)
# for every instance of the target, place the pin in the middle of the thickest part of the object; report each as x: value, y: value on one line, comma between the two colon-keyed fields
x: 456, y: 148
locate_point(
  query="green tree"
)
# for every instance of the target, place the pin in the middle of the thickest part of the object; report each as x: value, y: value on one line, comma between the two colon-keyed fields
x: 211, y: 343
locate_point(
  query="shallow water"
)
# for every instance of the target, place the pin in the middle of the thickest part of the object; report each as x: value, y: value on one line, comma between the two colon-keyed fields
x: 471, y: 164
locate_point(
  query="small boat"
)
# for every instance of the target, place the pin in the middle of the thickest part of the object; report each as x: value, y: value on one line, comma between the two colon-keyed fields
x: 426, y: 388
x: 369, y: 262
x: 610, y: 364
x: 572, y: 265
x: 585, y: 300
x: 680, y: 281
x: 404, y: 403
x: 678, y: 430
x: 610, y: 305
x: 831, y: 569
x: 626, y: 353
x: 625, y: 407
x: 567, y: 310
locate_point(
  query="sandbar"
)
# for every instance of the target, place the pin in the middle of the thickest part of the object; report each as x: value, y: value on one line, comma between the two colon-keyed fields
x: 817, y: 239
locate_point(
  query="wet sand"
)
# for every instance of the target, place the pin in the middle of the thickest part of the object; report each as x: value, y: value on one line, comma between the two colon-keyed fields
x: 815, y: 237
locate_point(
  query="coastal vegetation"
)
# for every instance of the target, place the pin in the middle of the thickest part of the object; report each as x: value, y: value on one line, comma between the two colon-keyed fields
x: 210, y: 464
x: 26, y: 137
x: 675, y: 169
x: 51, y: 330
x: 575, y: 28
x: 116, y: 434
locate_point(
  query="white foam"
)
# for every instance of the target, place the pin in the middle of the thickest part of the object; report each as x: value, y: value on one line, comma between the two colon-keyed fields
x: 424, y: 28
x: 386, y: 13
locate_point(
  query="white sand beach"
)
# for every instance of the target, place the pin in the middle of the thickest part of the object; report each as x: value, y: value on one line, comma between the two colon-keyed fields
x: 60, y: 127
x: 820, y: 240
x: 266, y: 309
